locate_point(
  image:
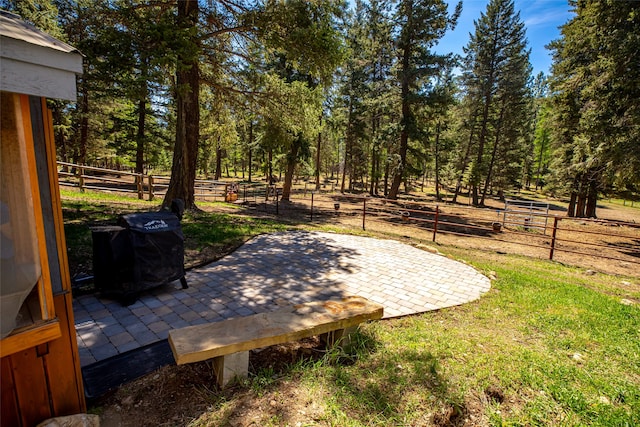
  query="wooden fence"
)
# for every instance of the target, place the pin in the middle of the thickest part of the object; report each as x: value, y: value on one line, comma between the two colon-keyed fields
x: 151, y: 186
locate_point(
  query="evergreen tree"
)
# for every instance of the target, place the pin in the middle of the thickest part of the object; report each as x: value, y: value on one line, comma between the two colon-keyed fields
x: 42, y: 14
x: 421, y: 23
x: 301, y: 32
x: 596, y: 101
x: 381, y: 92
x: 353, y: 91
x: 496, y: 73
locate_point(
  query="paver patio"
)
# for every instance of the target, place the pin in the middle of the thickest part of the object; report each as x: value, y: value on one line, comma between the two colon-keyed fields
x: 274, y: 270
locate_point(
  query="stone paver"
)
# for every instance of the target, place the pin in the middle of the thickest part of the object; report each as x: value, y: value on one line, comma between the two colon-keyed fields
x: 276, y: 270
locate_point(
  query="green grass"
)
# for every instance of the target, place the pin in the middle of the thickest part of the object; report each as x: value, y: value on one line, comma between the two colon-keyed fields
x: 553, y: 351
x: 622, y: 202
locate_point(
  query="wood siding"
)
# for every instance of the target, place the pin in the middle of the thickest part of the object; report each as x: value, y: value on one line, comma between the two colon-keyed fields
x: 44, y: 380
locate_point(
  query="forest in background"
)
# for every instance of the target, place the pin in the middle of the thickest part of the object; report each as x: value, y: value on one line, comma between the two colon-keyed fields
x: 352, y: 92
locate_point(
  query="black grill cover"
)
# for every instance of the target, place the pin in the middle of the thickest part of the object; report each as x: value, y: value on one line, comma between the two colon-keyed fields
x: 158, y: 247
x: 112, y: 257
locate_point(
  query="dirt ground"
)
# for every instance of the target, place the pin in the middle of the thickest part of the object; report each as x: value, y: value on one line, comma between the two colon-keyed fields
x: 183, y: 395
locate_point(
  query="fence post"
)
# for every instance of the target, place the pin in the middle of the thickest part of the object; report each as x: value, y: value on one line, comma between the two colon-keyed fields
x: 81, y: 178
x: 364, y: 212
x: 553, y: 237
x: 435, y: 223
x: 139, y: 181
x: 150, y: 187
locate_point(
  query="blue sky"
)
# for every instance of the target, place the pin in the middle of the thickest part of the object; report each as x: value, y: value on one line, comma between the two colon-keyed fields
x: 541, y: 17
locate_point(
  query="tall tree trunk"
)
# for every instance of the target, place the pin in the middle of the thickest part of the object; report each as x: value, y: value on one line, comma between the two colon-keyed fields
x: 292, y: 158
x: 475, y: 178
x: 542, y: 148
x: 406, y: 44
x: 250, y: 149
x: 376, y: 188
x: 185, y: 154
x: 344, y: 171
x: 218, y: 172
x: 142, y: 115
x: 573, y: 198
x: 375, y: 156
x: 571, y: 210
x: 463, y: 166
x: 270, y: 179
x: 493, y: 156
x: 581, y: 203
x: 348, y: 143
x: 407, y: 119
x: 437, y: 160
x: 386, y: 175
x: 318, y: 147
x: 592, y: 197
x: 84, y: 126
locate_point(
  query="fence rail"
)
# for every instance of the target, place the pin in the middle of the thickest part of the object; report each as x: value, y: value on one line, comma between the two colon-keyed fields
x: 565, y: 235
x: 526, y: 214
x: 152, y: 186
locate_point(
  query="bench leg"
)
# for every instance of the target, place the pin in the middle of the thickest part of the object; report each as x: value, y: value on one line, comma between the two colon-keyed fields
x: 339, y: 337
x: 231, y: 366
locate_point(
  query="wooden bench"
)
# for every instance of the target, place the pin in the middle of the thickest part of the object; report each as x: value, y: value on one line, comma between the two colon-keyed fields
x: 228, y: 342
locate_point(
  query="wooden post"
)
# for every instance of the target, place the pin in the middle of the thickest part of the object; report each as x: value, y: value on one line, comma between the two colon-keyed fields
x: 435, y: 223
x: 150, y: 188
x: 553, y: 237
x: 230, y: 367
x: 139, y: 181
x: 312, y: 193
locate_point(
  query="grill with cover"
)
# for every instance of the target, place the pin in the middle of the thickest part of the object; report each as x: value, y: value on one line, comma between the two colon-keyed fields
x: 145, y: 251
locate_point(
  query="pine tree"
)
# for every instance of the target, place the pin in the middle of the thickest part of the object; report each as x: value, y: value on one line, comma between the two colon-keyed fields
x: 381, y: 96
x: 496, y: 73
x: 353, y: 96
x: 302, y: 32
x: 596, y: 101
x: 421, y: 23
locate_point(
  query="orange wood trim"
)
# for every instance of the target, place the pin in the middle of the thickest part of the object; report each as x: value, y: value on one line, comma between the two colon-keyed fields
x: 44, y: 287
x: 55, y: 196
x: 63, y: 303
x: 63, y: 363
x: 30, y: 337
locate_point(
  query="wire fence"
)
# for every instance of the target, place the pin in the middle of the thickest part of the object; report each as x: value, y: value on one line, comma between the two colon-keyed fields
x: 587, y: 241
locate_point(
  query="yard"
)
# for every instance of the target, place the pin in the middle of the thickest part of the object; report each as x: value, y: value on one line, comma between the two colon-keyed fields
x: 550, y: 344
